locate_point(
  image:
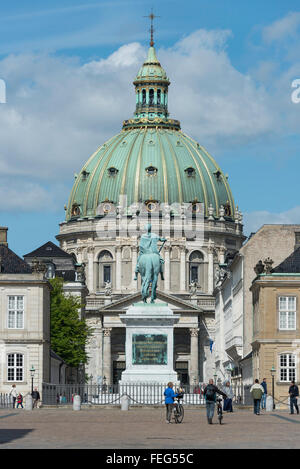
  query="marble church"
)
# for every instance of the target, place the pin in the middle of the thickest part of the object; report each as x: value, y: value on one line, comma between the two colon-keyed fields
x: 151, y: 171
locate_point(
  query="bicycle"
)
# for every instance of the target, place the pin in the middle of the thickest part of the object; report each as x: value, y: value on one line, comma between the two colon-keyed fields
x: 178, y: 410
x: 219, y: 410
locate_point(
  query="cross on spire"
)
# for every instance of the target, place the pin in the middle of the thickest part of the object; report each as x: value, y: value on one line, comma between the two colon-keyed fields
x: 151, y: 17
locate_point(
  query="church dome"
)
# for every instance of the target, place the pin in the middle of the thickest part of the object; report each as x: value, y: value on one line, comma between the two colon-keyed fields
x: 150, y: 160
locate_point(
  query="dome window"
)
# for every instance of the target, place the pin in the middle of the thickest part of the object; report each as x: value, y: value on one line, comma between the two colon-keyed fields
x: 85, y: 175
x: 75, y: 212
x: 227, y: 209
x: 151, y: 97
x: 218, y: 174
x: 151, y: 142
x: 112, y: 171
x: 151, y: 171
x: 190, y: 172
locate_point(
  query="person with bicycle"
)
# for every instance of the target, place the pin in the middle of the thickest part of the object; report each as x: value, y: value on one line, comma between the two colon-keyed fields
x: 169, y: 401
x: 210, y: 394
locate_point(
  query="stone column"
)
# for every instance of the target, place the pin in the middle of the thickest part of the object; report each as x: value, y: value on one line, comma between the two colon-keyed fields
x: 90, y: 272
x: 107, y: 365
x: 182, y: 269
x: 194, y: 360
x: 210, y: 268
x: 167, y: 268
x: 118, y: 268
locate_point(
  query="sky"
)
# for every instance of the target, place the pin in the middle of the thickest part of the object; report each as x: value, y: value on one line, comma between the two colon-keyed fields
x: 68, y: 68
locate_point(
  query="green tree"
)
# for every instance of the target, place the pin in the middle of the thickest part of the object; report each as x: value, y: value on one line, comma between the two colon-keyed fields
x: 69, y: 334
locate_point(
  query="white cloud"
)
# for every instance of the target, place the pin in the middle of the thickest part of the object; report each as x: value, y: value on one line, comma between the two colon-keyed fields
x: 283, y: 28
x: 254, y: 220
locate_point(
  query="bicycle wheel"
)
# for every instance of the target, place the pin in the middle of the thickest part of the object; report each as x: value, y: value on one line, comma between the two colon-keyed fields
x: 180, y: 413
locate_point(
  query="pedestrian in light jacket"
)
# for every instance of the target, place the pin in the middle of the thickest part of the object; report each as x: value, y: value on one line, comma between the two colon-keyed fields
x: 256, y: 392
x: 227, y: 389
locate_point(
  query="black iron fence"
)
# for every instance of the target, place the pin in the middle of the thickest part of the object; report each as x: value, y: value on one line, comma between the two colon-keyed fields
x: 138, y: 394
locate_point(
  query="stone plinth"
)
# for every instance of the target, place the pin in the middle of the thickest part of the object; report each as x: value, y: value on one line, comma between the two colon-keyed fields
x: 149, y: 343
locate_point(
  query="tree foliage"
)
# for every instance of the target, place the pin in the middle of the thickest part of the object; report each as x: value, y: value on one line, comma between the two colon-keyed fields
x: 69, y: 333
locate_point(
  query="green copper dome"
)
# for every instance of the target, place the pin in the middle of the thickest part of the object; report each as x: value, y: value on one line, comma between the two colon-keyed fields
x: 151, y: 159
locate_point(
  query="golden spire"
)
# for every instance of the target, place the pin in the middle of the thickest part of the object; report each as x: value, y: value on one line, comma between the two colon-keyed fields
x: 151, y: 17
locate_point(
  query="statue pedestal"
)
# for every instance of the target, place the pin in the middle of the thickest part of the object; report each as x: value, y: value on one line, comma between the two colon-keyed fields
x: 149, y: 344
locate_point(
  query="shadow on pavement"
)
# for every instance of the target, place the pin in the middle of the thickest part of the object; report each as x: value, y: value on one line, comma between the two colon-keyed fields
x: 10, y: 434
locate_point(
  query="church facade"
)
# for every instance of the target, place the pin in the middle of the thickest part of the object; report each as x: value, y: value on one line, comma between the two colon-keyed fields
x: 151, y: 172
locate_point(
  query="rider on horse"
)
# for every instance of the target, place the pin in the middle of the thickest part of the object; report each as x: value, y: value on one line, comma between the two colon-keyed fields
x: 148, y: 245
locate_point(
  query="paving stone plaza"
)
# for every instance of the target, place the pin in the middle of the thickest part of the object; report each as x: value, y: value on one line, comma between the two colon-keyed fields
x: 144, y: 428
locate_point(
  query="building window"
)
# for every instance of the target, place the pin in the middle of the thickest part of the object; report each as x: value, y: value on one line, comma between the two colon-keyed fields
x: 105, y: 268
x: 287, y: 313
x: 107, y: 273
x: 287, y: 364
x: 195, y: 267
x: 151, y: 97
x: 15, y: 367
x: 144, y: 97
x: 50, y: 273
x: 15, y: 318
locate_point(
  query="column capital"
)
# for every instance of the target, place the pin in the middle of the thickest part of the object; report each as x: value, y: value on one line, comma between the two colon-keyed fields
x: 194, y: 331
x: 107, y: 331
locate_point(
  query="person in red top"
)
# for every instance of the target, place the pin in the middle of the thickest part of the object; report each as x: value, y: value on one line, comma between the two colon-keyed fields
x: 20, y: 400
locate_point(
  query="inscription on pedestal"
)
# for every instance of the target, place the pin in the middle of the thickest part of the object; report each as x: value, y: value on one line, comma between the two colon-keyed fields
x: 149, y: 349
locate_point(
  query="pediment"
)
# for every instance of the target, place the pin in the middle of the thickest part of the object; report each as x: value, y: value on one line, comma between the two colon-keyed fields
x: 173, y: 302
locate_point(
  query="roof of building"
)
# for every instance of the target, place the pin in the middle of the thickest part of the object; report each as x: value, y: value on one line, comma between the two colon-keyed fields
x: 48, y: 249
x: 150, y: 161
x: 10, y: 263
x: 291, y: 265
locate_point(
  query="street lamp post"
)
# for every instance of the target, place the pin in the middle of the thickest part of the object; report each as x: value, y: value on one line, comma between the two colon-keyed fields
x: 32, y: 371
x: 273, y: 371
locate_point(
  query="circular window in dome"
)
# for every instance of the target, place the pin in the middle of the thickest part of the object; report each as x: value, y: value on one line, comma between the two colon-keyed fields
x: 151, y: 206
x: 190, y: 172
x: 151, y: 171
x: 75, y: 212
x: 112, y: 171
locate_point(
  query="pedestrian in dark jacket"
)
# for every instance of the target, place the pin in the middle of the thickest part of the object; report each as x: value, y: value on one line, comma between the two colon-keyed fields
x: 294, y: 393
x: 210, y: 394
x: 264, y: 396
x: 169, y: 401
x: 36, y: 397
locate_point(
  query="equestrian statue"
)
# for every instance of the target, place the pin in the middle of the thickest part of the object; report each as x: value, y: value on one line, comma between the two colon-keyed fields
x: 149, y: 263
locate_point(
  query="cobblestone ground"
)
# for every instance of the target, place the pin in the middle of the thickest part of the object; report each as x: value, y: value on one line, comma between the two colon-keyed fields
x: 144, y: 428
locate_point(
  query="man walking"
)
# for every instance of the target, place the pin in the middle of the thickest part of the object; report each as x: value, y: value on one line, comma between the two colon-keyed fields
x: 210, y: 394
x: 229, y: 396
x: 36, y: 397
x: 264, y: 396
x: 256, y: 391
x: 13, y: 393
x: 294, y: 393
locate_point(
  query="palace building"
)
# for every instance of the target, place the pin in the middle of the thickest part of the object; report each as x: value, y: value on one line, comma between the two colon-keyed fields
x: 151, y: 171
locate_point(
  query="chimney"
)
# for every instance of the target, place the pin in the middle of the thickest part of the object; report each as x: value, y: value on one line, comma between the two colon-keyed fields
x: 3, y: 236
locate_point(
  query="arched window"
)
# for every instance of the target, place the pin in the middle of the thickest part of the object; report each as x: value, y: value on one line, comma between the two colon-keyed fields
x: 196, y: 260
x: 151, y: 97
x: 15, y: 367
x: 50, y: 272
x: 144, y: 97
x: 158, y: 97
x: 105, y: 268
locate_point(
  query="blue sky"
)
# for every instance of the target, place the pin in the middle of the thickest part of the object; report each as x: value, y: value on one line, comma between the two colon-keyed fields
x: 69, y: 65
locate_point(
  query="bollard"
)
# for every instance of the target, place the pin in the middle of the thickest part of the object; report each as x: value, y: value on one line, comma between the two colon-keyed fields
x: 76, y: 402
x: 28, y: 402
x: 124, y: 402
x: 269, y: 404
